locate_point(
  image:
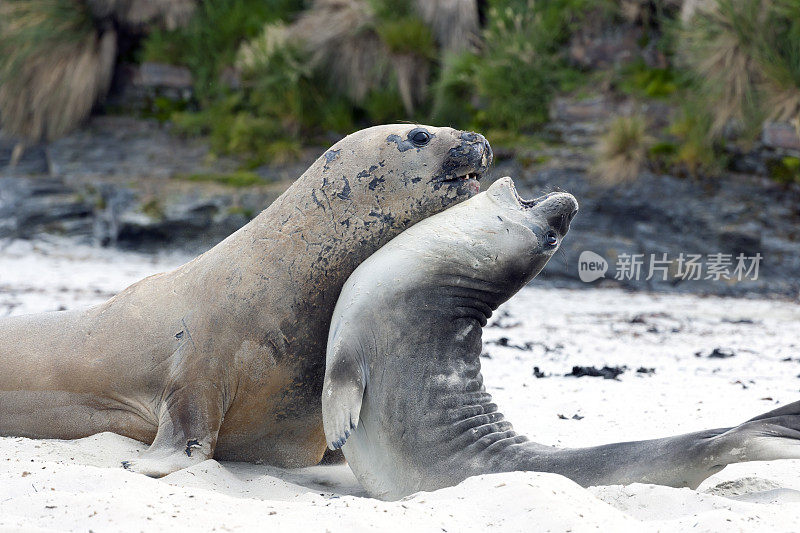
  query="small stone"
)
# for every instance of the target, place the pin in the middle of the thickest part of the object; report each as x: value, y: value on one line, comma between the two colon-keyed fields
x: 162, y: 75
x: 780, y: 135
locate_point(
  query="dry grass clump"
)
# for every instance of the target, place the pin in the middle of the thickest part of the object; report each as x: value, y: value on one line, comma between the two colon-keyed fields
x: 745, y: 55
x: 339, y: 34
x: 781, y: 65
x: 257, y: 53
x: 455, y: 23
x: 57, y: 57
x: 54, y: 65
x: 361, y: 52
x: 367, y: 46
x: 169, y: 13
x: 719, y: 49
x: 623, y: 151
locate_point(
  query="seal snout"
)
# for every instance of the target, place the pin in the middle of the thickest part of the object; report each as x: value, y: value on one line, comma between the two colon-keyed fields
x: 478, y: 143
x: 558, y: 208
x: 469, y: 159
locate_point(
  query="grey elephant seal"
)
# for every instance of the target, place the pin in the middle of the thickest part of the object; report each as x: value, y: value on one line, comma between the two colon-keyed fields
x: 225, y: 355
x: 403, y: 389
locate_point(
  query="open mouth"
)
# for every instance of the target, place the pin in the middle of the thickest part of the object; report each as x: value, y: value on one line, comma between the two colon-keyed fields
x: 523, y: 202
x: 527, y: 204
x: 560, y: 222
x: 469, y: 176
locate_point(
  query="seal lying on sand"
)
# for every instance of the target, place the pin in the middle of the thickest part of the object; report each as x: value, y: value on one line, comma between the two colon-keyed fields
x: 403, y: 390
x: 225, y: 355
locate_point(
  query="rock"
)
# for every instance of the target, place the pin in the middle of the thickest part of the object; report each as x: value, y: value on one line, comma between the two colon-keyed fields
x: 741, y: 239
x: 607, y: 372
x: 659, y: 214
x: 113, y: 202
x: 29, y: 206
x: 128, y: 149
x: 597, y: 47
x: 716, y: 353
x: 32, y: 161
x: 114, y: 183
x: 586, y: 110
x: 746, y: 162
x: 578, y: 123
x: 781, y: 135
x: 151, y: 74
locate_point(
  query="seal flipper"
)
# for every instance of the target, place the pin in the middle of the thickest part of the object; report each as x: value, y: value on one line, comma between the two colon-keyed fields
x: 189, y: 423
x: 767, y: 437
x: 342, y: 394
x: 190, y: 413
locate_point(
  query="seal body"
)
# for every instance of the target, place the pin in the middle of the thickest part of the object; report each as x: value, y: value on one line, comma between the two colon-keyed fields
x: 403, y: 394
x: 224, y: 356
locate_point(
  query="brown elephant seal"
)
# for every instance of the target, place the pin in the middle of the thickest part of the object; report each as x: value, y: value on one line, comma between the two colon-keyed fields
x: 225, y: 355
x: 403, y: 389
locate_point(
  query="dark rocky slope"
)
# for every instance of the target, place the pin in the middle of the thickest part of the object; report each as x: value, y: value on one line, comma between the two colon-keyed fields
x: 114, y: 183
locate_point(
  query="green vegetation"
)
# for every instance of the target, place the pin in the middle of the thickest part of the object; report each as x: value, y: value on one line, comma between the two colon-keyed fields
x: 785, y: 170
x: 510, y: 84
x: 640, y: 80
x: 286, y: 97
x: 241, y: 178
x: 406, y: 35
x: 333, y: 70
x: 239, y: 210
x: 212, y: 37
x: 272, y: 75
x: 153, y: 209
x: 697, y: 152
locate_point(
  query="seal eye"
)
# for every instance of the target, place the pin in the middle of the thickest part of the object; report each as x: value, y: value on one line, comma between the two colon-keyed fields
x: 419, y: 137
x: 551, y: 238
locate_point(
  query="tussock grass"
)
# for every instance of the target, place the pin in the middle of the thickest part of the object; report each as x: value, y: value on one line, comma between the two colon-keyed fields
x: 745, y: 55
x: 623, y: 151
x: 363, y: 47
x: 339, y: 34
x: 454, y: 23
x: 169, y: 13
x: 57, y: 57
x: 211, y: 38
x: 54, y: 66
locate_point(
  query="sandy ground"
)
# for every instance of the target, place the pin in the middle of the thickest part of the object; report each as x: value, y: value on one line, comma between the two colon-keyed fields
x: 78, y: 485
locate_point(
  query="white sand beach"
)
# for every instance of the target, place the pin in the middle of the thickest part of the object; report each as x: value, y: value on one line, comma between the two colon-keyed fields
x: 79, y: 485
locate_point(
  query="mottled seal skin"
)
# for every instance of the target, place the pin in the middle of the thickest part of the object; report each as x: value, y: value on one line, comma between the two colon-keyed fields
x: 225, y: 355
x: 403, y: 390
